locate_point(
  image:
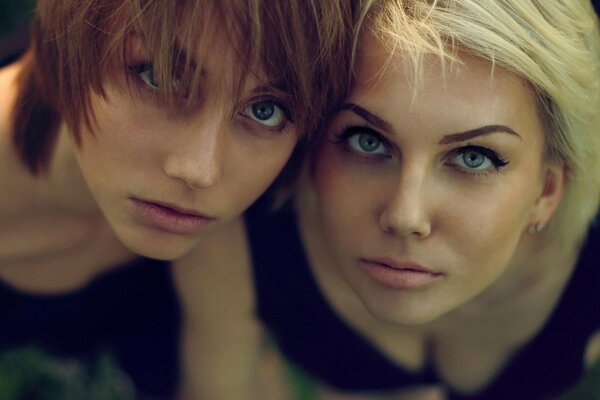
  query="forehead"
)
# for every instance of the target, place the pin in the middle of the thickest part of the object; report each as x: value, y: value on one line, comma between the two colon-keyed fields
x: 460, y: 95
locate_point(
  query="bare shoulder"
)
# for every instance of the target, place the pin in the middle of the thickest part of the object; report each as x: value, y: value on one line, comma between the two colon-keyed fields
x: 8, y: 88
x: 216, y: 276
x: 592, y: 351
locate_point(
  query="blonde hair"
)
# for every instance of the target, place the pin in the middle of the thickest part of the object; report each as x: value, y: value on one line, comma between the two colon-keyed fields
x: 75, y: 44
x: 553, y: 44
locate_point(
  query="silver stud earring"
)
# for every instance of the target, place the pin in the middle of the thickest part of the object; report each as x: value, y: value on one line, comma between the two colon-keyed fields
x: 535, y: 228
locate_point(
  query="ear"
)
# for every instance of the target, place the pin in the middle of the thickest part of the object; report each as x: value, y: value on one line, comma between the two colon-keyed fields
x: 555, y: 176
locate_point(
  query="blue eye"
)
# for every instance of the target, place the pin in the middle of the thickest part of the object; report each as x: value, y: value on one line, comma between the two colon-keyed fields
x: 474, y: 160
x: 478, y: 158
x: 363, y: 143
x: 367, y: 142
x: 267, y: 112
x: 145, y: 73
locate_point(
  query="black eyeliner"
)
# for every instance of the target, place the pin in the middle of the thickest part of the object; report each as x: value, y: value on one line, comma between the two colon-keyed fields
x: 351, y: 130
x: 493, y: 156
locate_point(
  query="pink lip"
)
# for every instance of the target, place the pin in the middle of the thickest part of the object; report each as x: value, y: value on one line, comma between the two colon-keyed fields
x: 170, y: 218
x: 399, y: 275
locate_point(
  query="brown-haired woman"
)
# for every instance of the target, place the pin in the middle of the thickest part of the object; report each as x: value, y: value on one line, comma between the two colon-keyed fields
x: 142, y: 128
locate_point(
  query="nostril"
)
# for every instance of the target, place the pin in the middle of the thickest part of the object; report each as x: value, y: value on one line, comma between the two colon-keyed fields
x: 405, y: 220
x: 196, y: 174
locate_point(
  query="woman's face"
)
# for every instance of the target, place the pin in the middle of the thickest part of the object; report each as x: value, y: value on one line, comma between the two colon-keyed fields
x: 164, y: 181
x: 425, y: 194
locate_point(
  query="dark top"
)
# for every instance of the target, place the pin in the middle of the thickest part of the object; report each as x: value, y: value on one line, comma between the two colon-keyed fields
x: 312, y: 336
x: 130, y: 312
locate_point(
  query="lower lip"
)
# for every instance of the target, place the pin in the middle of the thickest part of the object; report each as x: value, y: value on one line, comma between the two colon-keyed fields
x: 400, y: 279
x: 168, y: 219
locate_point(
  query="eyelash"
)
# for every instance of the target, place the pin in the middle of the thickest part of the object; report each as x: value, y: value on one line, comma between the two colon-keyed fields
x: 347, y: 132
x: 135, y: 71
x: 342, y: 139
x: 138, y: 68
x: 498, y: 163
x: 492, y: 155
x: 277, y: 103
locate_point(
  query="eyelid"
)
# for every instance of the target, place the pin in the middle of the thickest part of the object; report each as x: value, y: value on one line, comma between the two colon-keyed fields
x: 274, y: 98
x: 497, y: 162
x: 287, y: 120
x: 353, y: 129
x: 139, y: 68
x: 345, y: 133
x: 491, y: 154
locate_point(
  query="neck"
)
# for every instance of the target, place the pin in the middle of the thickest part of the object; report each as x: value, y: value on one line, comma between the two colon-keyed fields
x: 66, y: 187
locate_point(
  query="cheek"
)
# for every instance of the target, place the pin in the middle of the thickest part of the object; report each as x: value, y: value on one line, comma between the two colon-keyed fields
x: 345, y: 199
x: 123, y: 124
x: 487, y: 223
x: 118, y: 150
x: 256, y: 166
x: 116, y: 135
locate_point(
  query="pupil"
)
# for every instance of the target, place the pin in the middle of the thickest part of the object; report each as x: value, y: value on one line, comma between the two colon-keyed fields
x: 473, y: 159
x: 368, y: 142
x: 263, y: 110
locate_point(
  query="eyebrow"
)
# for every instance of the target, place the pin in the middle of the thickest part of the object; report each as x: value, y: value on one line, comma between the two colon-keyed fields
x: 366, y: 115
x: 180, y: 55
x: 451, y: 138
x: 272, y: 88
x: 484, y: 130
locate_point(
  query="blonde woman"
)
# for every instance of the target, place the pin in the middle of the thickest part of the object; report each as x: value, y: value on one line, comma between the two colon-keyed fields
x: 441, y: 241
x: 136, y: 129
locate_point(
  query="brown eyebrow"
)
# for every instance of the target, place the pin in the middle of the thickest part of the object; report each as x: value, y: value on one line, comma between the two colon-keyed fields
x: 366, y: 115
x: 484, y: 130
x: 455, y: 137
x: 180, y: 55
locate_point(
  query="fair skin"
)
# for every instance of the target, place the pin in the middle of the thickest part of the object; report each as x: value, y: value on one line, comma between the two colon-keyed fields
x: 90, y: 211
x: 206, y: 162
x: 440, y: 180
x: 446, y: 182
x: 422, y: 182
x: 524, y: 286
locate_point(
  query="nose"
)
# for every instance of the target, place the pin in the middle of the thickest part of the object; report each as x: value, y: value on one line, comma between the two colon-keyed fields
x: 406, y: 212
x: 197, y: 155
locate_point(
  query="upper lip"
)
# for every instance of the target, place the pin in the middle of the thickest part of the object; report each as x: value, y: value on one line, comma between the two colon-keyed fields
x: 181, y: 210
x: 401, y: 265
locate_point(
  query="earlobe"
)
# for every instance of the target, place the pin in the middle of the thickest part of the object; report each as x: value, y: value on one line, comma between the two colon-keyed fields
x: 549, y: 199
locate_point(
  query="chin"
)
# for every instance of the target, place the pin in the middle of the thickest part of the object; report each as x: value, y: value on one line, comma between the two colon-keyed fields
x: 403, y: 310
x: 405, y: 319
x: 166, y: 247
x: 163, y: 252
x: 160, y: 254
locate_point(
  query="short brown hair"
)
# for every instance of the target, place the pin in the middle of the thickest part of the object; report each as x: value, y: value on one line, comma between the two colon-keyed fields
x: 300, y: 43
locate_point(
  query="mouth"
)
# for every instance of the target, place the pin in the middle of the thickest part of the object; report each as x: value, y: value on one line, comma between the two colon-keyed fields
x: 400, y: 275
x: 170, y: 218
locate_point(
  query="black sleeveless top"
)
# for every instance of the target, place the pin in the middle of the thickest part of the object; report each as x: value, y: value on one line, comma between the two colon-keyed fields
x: 312, y: 336
x: 131, y: 313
